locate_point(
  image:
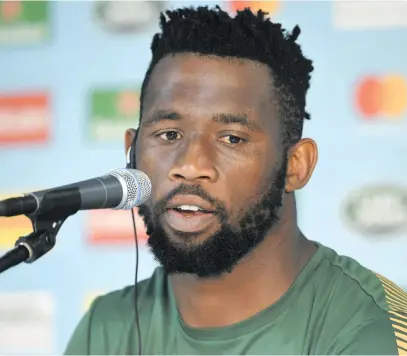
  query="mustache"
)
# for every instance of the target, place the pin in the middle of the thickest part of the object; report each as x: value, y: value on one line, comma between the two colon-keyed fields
x: 187, y: 189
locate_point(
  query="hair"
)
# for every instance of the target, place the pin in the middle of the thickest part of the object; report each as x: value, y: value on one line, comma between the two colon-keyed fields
x: 246, y: 36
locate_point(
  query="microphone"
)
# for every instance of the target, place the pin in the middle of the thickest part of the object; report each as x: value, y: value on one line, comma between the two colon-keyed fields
x: 119, y: 189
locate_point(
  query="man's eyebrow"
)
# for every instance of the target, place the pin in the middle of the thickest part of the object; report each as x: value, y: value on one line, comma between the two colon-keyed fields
x: 222, y: 118
x: 240, y: 119
x: 160, y: 116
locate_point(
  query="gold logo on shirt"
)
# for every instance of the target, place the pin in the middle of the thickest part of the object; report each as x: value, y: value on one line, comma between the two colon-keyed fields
x: 396, y: 299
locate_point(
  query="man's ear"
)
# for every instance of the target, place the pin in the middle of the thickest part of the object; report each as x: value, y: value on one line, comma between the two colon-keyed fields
x: 128, y: 140
x: 302, y: 160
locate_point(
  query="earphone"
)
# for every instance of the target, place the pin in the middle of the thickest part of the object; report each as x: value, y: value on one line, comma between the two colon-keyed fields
x: 131, y: 154
x: 128, y: 157
x: 131, y: 164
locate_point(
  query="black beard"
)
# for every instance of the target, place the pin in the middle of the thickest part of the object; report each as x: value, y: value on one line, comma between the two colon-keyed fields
x: 223, y: 250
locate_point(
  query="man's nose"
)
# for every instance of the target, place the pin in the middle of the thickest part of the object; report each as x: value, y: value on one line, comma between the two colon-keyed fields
x: 194, y: 163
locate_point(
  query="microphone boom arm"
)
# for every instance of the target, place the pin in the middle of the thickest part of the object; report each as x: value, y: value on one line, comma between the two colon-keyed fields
x: 56, y: 206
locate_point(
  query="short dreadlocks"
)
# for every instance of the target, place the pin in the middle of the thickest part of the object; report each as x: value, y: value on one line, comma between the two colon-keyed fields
x: 246, y: 36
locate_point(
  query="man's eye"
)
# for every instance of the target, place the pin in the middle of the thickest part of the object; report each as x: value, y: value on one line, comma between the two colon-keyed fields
x: 170, y: 136
x: 232, y: 140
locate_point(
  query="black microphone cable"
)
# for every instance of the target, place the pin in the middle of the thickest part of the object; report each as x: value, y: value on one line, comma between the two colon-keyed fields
x: 135, y: 286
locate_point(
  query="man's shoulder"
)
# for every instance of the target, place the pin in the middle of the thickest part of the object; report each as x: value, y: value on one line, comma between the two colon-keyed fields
x: 108, y: 325
x: 360, y: 306
x: 119, y: 304
x: 350, y: 280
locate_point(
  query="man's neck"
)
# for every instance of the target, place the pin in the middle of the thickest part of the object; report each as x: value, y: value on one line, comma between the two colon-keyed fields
x: 256, y: 283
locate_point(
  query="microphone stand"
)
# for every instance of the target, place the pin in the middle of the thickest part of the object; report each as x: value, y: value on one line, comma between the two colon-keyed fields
x: 56, y: 206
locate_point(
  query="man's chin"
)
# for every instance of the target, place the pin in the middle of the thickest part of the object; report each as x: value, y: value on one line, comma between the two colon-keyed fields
x: 182, y: 238
x: 208, y: 254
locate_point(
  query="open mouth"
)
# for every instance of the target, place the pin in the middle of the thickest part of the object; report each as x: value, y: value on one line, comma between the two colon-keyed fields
x: 190, y: 210
x: 189, y: 218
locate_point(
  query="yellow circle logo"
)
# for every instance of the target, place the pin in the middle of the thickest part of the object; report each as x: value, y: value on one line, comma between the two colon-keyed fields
x: 266, y: 6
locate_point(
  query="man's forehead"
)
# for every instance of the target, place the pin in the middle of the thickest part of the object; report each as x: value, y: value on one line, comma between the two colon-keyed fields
x: 183, y: 75
x: 202, y: 62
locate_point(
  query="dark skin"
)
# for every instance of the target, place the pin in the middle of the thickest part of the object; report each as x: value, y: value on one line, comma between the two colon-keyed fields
x: 232, y: 162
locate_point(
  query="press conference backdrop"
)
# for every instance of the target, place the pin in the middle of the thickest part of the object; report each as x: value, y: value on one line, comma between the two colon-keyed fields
x: 70, y: 75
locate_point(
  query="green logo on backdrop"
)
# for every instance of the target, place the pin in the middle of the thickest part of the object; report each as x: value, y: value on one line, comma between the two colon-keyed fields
x: 128, y: 16
x: 112, y: 112
x: 377, y: 210
x: 23, y: 22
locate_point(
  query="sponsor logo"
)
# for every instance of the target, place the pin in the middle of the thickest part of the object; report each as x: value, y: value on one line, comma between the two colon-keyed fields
x: 127, y: 16
x: 374, y: 14
x: 112, y: 112
x: 378, y: 210
x: 24, y: 118
x: 271, y: 6
x: 382, y: 97
x: 24, y: 21
x: 13, y: 227
x: 114, y: 227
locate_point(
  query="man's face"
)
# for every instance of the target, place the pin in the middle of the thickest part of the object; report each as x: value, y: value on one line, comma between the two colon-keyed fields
x: 209, y: 141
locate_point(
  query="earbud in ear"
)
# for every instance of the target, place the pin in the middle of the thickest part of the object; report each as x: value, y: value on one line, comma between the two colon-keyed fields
x: 128, y: 158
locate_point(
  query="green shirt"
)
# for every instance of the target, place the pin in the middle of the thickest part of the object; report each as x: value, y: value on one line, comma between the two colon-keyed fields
x: 335, y: 306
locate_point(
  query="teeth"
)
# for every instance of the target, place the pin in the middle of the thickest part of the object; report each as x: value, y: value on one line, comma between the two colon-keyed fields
x: 189, y: 207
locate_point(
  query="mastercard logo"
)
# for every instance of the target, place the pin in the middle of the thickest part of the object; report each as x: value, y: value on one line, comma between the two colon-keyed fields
x: 382, y: 96
x: 266, y: 6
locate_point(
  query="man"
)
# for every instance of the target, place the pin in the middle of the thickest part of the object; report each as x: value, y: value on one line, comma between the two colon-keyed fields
x: 222, y: 110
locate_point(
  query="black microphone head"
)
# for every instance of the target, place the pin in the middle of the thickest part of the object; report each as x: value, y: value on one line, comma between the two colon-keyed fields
x: 136, y: 187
